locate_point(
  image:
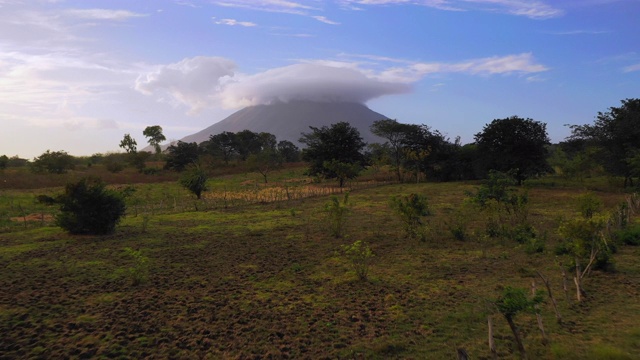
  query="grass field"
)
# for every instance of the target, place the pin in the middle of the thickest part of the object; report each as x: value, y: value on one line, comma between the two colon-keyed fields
x: 256, y: 279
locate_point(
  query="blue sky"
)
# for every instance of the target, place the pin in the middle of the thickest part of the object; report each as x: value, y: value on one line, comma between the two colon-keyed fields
x: 78, y: 75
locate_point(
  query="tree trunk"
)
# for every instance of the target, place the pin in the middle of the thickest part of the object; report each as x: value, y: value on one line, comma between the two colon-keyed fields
x: 492, y: 345
x: 564, y: 284
x: 545, y: 340
x: 553, y: 300
x: 577, y: 279
x: 516, y: 335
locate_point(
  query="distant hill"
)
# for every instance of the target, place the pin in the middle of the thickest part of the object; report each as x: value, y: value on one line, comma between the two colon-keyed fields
x: 288, y: 120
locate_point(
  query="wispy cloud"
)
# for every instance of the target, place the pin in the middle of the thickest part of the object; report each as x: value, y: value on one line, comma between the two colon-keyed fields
x: 103, y: 14
x: 631, y: 68
x: 578, y: 32
x: 325, y: 20
x: 532, y: 9
x: 281, y: 6
x: 405, y: 71
x: 234, y: 22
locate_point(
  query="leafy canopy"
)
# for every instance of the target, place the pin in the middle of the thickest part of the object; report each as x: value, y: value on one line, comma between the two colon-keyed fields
x: 514, y: 144
x: 330, y: 148
x: 88, y: 207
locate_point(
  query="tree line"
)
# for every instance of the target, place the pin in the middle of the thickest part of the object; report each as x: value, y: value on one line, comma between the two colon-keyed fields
x: 518, y: 146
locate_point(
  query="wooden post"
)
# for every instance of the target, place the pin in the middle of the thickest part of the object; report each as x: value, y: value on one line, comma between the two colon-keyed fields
x: 492, y: 345
x: 545, y: 341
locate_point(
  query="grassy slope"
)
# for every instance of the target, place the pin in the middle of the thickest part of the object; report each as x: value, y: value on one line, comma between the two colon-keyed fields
x: 267, y: 279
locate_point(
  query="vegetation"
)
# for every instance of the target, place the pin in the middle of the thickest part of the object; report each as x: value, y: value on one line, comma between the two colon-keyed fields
x: 261, y: 271
x: 334, y: 152
x: 248, y: 270
x: 514, y: 144
x: 511, y: 302
x: 337, y: 212
x: 87, y: 207
x: 613, y: 138
x: 154, y: 136
x: 54, y: 162
x: 359, y: 255
x: 411, y: 209
x: 195, y: 180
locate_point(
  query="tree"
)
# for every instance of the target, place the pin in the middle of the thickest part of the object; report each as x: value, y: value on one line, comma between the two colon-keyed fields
x: 129, y: 144
x: 221, y: 145
x: 154, y: 133
x: 195, y: 180
x: 56, y: 162
x: 339, y: 143
x: 88, y: 207
x: 396, y: 135
x: 514, y: 144
x: 288, y: 151
x: 4, y: 160
x: 181, y: 155
x: 248, y: 142
x: 615, y: 133
x: 513, y: 301
x: 264, y: 162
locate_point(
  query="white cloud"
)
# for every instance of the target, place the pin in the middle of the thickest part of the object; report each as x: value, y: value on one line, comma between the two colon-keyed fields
x: 234, y: 22
x: 191, y: 82
x: 204, y: 82
x: 532, y: 9
x: 103, y: 14
x: 307, y: 82
x: 520, y: 63
x: 325, y: 20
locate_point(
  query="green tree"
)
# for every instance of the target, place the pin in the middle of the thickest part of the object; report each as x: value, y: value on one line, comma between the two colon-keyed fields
x: 88, y: 207
x: 155, y: 136
x: 513, y: 301
x: 129, y: 144
x: 615, y: 133
x: 339, y: 143
x: 247, y: 143
x: 514, y: 144
x: 181, y: 155
x: 54, y: 162
x: 288, y: 151
x: 222, y: 145
x: 396, y: 135
x: 264, y: 162
x: 4, y: 160
x: 195, y: 180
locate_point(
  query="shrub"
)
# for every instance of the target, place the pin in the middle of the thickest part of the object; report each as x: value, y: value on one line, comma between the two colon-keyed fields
x: 337, y: 214
x: 411, y: 209
x: 87, y: 207
x: 359, y: 254
x: 139, y: 272
x: 589, y: 204
x: 194, y: 180
x: 629, y: 236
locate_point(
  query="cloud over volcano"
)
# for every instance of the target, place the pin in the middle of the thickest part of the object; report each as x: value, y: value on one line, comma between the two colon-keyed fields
x: 202, y: 82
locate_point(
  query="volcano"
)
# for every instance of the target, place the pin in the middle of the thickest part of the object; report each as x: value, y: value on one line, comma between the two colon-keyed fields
x: 287, y: 121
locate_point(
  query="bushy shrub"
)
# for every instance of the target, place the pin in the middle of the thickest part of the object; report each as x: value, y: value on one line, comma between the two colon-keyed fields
x: 88, y: 207
x: 411, y: 209
x: 337, y: 214
x: 194, y: 180
x: 359, y: 254
x: 629, y: 236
